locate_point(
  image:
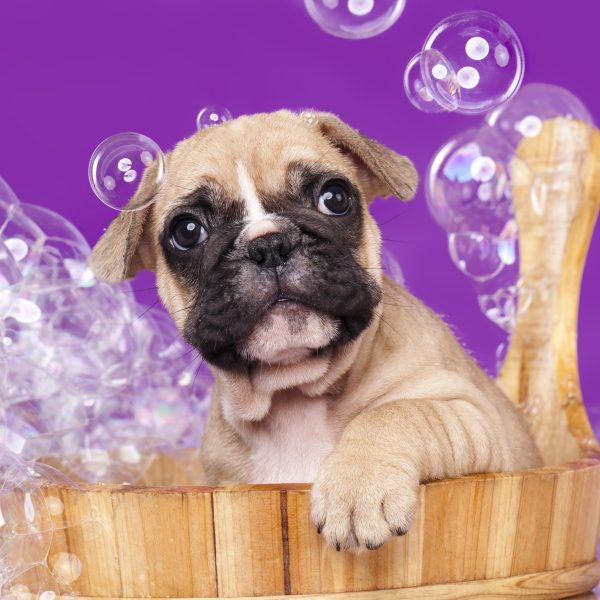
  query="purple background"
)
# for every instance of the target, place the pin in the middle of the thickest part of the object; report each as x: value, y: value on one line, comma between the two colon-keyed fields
x: 74, y: 72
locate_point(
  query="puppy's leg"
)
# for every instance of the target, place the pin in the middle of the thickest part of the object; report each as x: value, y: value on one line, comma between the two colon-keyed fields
x: 367, y: 488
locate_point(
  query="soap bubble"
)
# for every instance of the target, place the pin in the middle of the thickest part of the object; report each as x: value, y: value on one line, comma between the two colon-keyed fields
x: 504, y: 305
x: 522, y: 119
x: 25, y: 523
x: 66, y: 567
x: 444, y: 95
x: 212, y: 115
x: 117, y: 166
x: 468, y: 183
x: 354, y: 19
x: 478, y: 64
x: 482, y: 256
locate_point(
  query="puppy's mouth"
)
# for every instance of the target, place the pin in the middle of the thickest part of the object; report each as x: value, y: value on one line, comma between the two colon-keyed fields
x: 290, y: 330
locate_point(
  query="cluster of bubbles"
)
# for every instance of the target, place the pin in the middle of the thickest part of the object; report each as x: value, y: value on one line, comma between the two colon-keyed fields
x: 469, y: 189
x: 90, y: 382
x: 470, y: 63
x: 354, y: 19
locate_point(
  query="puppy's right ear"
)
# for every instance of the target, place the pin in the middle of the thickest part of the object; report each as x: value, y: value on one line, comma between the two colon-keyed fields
x: 125, y: 247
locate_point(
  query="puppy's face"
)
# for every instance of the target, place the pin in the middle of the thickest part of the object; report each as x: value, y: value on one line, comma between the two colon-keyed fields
x: 261, y: 239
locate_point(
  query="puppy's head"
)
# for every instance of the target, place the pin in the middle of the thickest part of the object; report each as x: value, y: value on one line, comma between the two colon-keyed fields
x: 261, y: 238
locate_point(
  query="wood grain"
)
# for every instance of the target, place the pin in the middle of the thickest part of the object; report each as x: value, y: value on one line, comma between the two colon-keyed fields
x: 548, y: 585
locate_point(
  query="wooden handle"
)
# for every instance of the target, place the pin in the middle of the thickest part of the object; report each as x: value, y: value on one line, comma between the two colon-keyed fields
x: 556, y: 194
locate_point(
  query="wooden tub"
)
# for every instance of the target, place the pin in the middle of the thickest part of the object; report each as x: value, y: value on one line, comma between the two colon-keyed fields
x: 528, y: 534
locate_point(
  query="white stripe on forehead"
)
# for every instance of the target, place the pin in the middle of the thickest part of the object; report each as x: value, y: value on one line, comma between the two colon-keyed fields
x: 254, y: 208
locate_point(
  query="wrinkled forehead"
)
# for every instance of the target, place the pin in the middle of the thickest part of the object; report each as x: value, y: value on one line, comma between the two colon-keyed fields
x: 249, y: 159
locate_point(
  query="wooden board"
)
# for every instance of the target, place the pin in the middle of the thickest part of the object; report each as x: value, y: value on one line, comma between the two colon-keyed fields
x: 548, y: 585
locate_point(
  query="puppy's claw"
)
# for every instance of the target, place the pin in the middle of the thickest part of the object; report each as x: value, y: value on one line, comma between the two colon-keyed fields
x: 373, y: 546
x: 337, y: 546
x: 400, y: 531
x: 320, y: 527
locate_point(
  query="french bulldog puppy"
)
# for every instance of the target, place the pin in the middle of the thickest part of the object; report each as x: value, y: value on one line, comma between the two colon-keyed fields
x: 325, y: 371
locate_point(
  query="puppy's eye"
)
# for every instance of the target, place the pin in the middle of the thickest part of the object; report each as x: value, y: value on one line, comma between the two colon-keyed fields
x: 334, y: 199
x: 187, y: 233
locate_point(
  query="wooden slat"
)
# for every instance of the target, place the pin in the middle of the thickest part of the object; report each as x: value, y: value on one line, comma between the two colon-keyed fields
x: 317, y: 568
x: 503, y: 526
x: 248, y: 542
x: 534, y: 523
x: 154, y: 548
x: 576, y: 515
x: 86, y: 529
x: 547, y: 585
x: 401, y: 560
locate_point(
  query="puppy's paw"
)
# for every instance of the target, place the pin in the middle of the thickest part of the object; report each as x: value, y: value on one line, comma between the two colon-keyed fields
x: 358, y: 504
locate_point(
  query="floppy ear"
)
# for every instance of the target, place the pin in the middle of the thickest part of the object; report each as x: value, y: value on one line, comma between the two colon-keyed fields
x: 121, y: 251
x: 389, y: 173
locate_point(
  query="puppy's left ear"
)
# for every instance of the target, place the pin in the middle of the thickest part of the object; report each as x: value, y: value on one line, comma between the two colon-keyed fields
x: 388, y: 173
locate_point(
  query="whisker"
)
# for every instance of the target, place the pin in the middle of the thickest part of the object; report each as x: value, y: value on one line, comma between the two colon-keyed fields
x: 151, y: 306
x: 139, y: 290
x: 396, y: 241
x: 403, y: 212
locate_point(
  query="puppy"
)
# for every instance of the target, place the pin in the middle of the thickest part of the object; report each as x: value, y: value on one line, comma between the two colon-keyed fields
x: 325, y: 371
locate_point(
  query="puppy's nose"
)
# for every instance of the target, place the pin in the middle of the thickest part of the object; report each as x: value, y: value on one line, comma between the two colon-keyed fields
x: 270, y: 251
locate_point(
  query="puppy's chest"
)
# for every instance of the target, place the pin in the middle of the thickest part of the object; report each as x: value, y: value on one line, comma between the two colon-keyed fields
x: 290, y: 444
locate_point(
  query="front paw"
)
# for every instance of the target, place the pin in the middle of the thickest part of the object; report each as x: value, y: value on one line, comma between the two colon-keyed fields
x: 358, y: 503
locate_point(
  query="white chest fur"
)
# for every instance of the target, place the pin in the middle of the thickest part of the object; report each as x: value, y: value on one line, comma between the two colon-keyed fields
x: 291, y: 442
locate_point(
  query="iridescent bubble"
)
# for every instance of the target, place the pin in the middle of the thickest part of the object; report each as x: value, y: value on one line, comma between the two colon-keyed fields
x: 468, y: 182
x: 504, y: 305
x: 354, y: 19
x: 523, y: 118
x: 430, y: 82
x: 212, y: 115
x: 476, y: 254
x: 485, y: 78
x: 116, y: 166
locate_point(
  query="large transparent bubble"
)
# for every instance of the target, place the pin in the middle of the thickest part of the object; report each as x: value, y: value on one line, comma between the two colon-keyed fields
x: 468, y: 183
x: 212, y: 115
x: 354, y: 19
x: 117, y: 166
x: 478, y: 64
